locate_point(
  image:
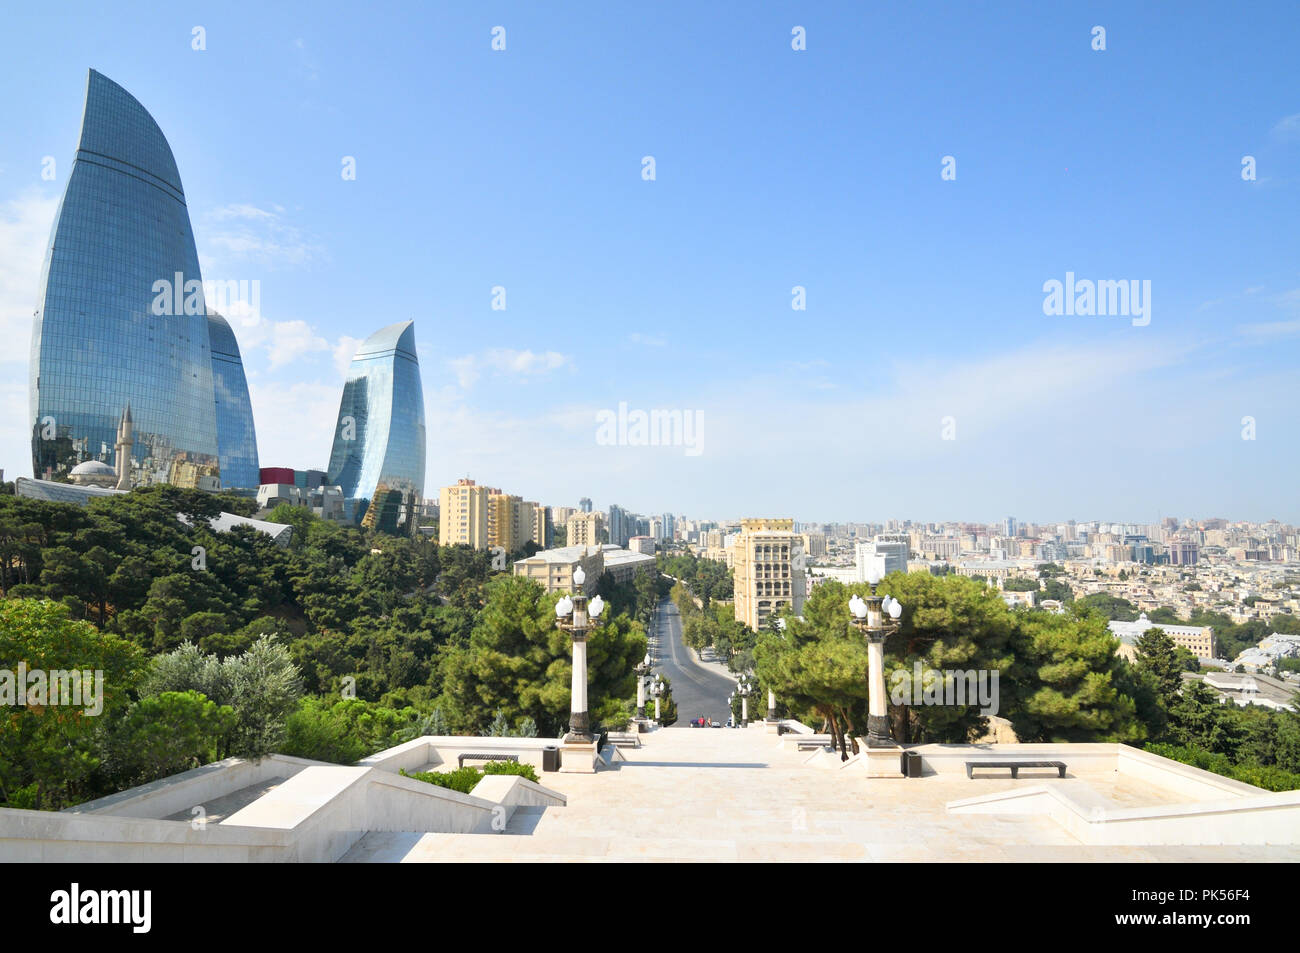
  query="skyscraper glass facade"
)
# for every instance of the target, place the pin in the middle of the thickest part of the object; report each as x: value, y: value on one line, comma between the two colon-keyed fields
x: 236, y: 438
x: 378, y: 452
x: 105, y: 335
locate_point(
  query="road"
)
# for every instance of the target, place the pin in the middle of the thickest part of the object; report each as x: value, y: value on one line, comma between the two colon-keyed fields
x: 696, y: 690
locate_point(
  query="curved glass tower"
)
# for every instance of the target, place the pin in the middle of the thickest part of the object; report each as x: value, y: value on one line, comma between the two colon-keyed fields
x: 121, y: 315
x: 378, y: 452
x: 236, y: 438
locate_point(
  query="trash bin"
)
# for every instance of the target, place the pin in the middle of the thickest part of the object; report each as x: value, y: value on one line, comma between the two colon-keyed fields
x: 911, y: 765
x: 551, y: 758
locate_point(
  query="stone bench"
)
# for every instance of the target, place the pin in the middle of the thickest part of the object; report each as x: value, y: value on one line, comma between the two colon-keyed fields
x: 1015, y: 766
x: 484, y: 756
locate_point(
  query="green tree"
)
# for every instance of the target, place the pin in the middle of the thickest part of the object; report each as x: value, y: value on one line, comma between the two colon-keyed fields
x: 344, y: 731
x: 518, y: 662
x: 262, y: 686
x: 1070, y: 682
x: 1157, y: 655
x: 49, y: 752
x: 165, y: 734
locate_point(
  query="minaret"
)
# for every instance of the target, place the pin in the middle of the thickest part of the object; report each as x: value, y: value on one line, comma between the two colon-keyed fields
x: 125, y: 441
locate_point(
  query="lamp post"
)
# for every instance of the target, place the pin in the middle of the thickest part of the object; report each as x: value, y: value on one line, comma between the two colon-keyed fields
x: 869, y: 619
x: 574, y: 616
x: 744, y: 688
x: 771, y: 695
x: 657, y: 690
x: 642, y: 670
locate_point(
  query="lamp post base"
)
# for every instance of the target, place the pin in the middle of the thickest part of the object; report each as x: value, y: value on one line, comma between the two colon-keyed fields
x: 579, y: 729
x: 576, y: 756
x: 882, y: 762
x: 878, y: 732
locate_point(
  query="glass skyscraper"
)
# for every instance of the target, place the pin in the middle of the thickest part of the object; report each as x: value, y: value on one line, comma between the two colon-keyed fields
x: 236, y: 438
x: 378, y: 452
x: 121, y: 317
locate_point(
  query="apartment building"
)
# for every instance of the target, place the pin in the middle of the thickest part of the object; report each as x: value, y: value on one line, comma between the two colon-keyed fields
x: 769, y: 570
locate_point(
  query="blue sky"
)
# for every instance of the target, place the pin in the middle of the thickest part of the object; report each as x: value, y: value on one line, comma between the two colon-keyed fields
x: 819, y: 168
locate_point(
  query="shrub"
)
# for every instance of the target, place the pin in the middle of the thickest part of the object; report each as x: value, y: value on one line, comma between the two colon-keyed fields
x: 464, y: 779
x: 1266, y: 776
x: 511, y: 767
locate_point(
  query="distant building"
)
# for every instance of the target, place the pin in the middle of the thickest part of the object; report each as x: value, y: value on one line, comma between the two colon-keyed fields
x: 584, y: 529
x: 642, y: 544
x: 621, y: 527
x: 885, y: 553
x: 379, y: 439
x: 553, y: 569
x: 104, y: 336
x: 463, y: 515
x: 1197, y: 639
x: 769, y: 570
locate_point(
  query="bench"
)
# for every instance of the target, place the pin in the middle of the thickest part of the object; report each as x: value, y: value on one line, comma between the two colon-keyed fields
x: 484, y: 756
x: 1015, y: 766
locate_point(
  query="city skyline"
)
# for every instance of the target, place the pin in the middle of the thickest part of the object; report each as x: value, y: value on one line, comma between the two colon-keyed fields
x: 925, y: 297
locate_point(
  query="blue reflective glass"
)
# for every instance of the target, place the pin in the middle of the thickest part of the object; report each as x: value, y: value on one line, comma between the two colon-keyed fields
x: 97, y: 343
x: 378, y: 452
x: 236, y: 438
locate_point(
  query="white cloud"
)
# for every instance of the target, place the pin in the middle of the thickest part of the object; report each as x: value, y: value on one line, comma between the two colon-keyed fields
x: 1272, y: 329
x: 292, y: 340
x: 1288, y: 127
x: 25, y: 225
x: 506, y: 362
x: 295, y: 422
x: 237, y: 236
x: 646, y: 340
x: 344, y: 351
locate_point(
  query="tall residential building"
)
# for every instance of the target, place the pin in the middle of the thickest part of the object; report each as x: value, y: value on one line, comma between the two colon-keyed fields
x: 511, y: 521
x: 584, y: 504
x: 542, y: 525
x: 463, y: 515
x: 1009, y: 526
x: 121, y: 318
x: 887, y: 553
x: 583, y: 529
x: 621, y: 527
x: 769, y: 570
x: 379, y: 439
x: 236, y: 437
x: 670, y: 527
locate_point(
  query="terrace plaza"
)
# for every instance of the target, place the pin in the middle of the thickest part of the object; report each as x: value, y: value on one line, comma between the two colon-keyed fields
x: 679, y: 794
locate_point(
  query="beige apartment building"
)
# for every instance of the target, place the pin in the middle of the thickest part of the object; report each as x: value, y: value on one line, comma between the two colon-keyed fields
x: 512, y: 521
x: 483, y: 517
x: 463, y: 515
x: 583, y: 529
x: 769, y: 570
x: 553, y: 569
